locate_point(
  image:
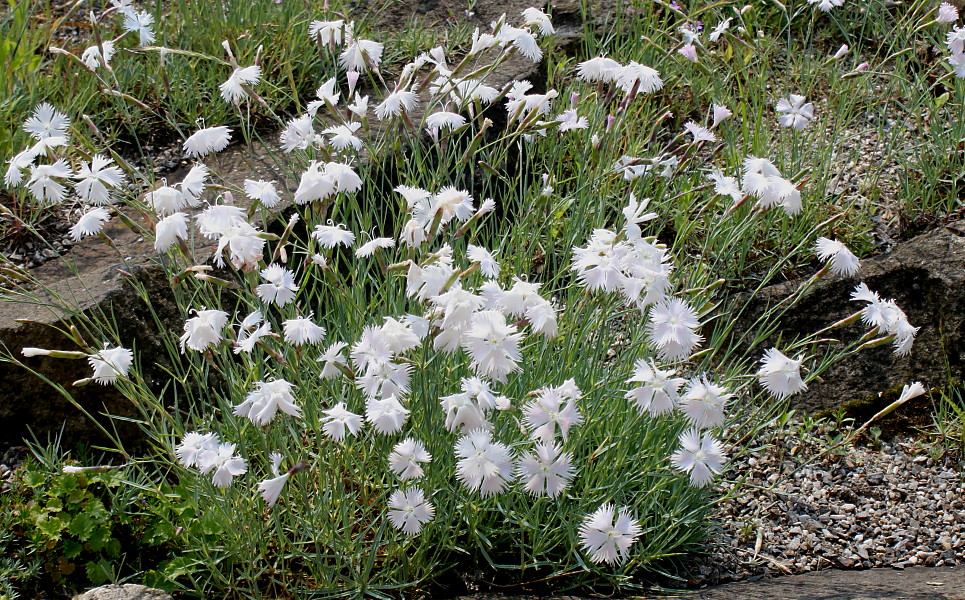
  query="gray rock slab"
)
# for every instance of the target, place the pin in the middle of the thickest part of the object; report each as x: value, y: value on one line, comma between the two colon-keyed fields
x: 128, y: 591
x: 916, y: 583
x: 926, y: 277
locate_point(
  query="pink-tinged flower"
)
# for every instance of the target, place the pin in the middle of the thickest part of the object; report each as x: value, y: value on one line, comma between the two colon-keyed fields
x: 689, y: 51
x: 841, y: 260
x: 796, y: 111
x: 548, y: 411
x: 780, y: 375
x: 702, y: 457
x: 955, y: 40
x: 410, y: 510
x: 483, y: 464
x: 546, y: 471
x: 608, y: 541
x: 672, y: 329
x: 703, y: 403
x: 659, y: 392
x: 721, y: 113
x: 946, y: 13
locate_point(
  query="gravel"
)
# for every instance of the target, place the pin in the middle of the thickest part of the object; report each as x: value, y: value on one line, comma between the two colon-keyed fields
x: 804, y: 508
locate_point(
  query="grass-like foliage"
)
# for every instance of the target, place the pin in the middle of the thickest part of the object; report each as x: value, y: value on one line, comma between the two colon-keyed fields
x: 484, y: 323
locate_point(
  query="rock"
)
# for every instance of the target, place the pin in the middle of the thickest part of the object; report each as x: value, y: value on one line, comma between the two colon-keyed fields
x: 128, y: 591
x: 926, y: 277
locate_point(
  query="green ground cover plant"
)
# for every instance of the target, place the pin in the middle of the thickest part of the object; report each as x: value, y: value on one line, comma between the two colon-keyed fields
x: 488, y: 323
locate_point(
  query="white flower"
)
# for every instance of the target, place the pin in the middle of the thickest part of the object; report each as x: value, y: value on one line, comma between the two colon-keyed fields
x: 360, y: 55
x: 606, y: 541
x: 339, y: 420
x: 298, y: 134
x: 721, y: 113
x: 659, y: 393
x: 166, y: 200
x: 522, y: 39
x: 726, y: 186
x: 395, y: 103
x: 703, y: 403
x: 326, y: 32
x: 169, y: 229
x: 569, y: 120
x: 535, y: 16
x: 483, y: 465
x: 445, y: 120
x: 487, y: 262
x: 280, y: 289
x: 493, y: 345
x: 343, y: 136
x: 266, y: 400
x: 90, y: 223
x: 330, y: 236
x: 333, y: 358
x: 601, y: 69
x: 263, y: 192
x: 780, y: 375
x: 548, y: 411
x: 368, y: 249
x: 46, y: 122
x: 270, y: 489
x: 302, y: 331
x: 410, y: 510
x: 92, y: 55
x: 22, y: 160
x: 719, y: 29
x: 644, y: 78
x: 43, y: 185
x: 195, y: 446
x: 203, y: 330
x: 110, y: 363
x: 97, y: 178
x: 826, y: 5
x: 702, y: 457
x: 547, y: 471
x: 842, y: 260
x: 701, y: 134
x: 315, y: 184
x: 359, y: 107
x: 387, y: 415
x: 797, y: 111
x: 407, y: 458
x: 226, y: 466
x: 909, y: 391
x: 140, y: 22
x: 232, y: 90
x: 244, y: 245
x: 672, y: 329
x: 207, y: 140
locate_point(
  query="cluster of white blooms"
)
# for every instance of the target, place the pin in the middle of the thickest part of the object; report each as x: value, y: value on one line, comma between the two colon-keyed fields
x: 887, y: 318
x: 210, y: 455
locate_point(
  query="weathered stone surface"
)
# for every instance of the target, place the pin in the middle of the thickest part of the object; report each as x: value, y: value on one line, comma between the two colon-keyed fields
x: 128, y: 591
x: 917, y: 583
x: 926, y: 276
